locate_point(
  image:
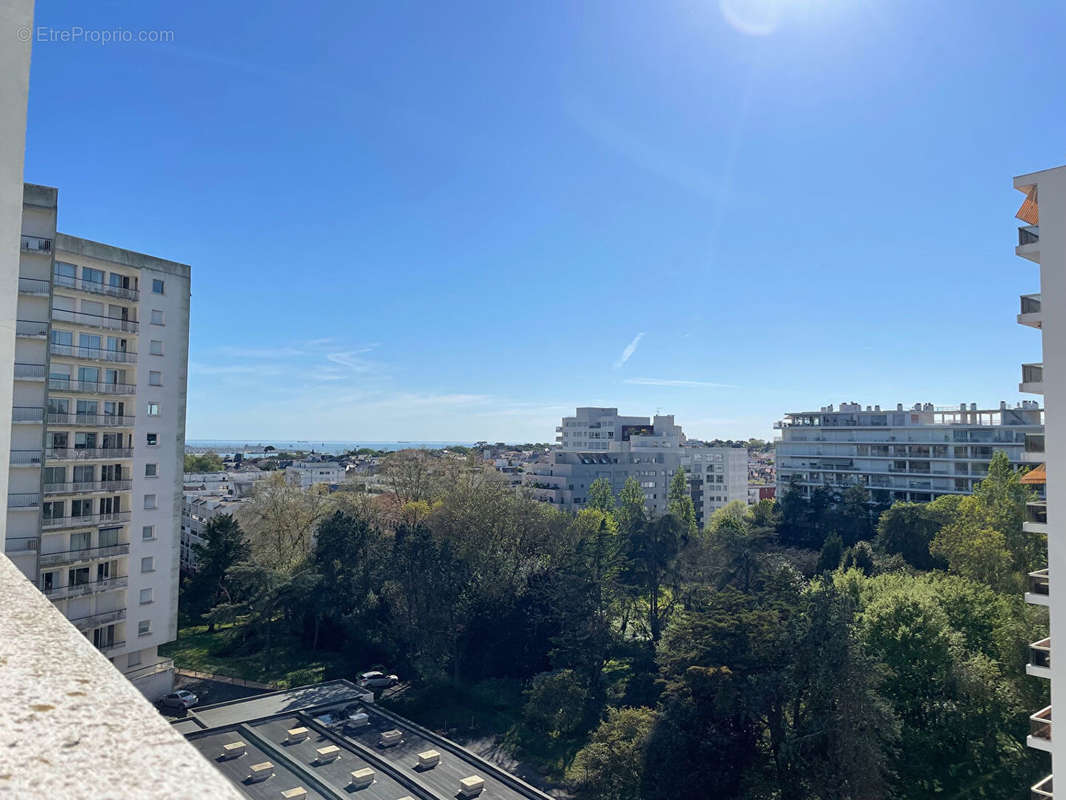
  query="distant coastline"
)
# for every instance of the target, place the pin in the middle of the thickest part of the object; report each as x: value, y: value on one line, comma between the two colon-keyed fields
x: 332, y: 448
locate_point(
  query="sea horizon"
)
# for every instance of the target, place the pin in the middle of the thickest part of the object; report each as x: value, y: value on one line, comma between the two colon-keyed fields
x: 317, y: 445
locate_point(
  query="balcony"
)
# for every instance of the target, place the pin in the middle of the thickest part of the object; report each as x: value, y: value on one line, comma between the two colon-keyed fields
x: 97, y: 420
x: 57, y: 523
x: 1029, y: 242
x: 1030, y: 311
x: 1034, y: 448
x: 1040, y: 730
x: 92, y: 353
x: 91, y: 621
x: 95, y: 287
x: 29, y: 372
x: 26, y: 458
x: 89, y: 587
x: 35, y: 287
x: 1039, y: 659
x: 93, y: 320
x: 1042, y: 790
x: 1035, y: 517
x: 110, y: 647
x: 1032, y: 379
x: 85, y: 487
x: 86, y: 554
x: 22, y: 415
x: 36, y: 244
x: 24, y: 501
x: 86, y: 453
x: 31, y: 329
x: 1039, y: 588
x: 90, y: 387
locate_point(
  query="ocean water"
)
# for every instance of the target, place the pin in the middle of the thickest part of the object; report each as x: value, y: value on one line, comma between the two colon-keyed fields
x: 227, y: 446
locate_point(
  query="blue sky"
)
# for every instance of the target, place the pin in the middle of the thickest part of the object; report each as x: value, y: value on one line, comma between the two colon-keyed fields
x: 458, y: 221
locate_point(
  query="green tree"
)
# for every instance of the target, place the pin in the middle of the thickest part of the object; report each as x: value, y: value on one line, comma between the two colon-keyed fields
x: 222, y: 547
x: 203, y: 462
x: 556, y: 703
x: 632, y: 512
x: 679, y: 503
x: 907, y: 529
x: 650, y: 567
x: 832, y: 553
x: 611, y: 764
x: 855, y: 515
x: 600, y: 496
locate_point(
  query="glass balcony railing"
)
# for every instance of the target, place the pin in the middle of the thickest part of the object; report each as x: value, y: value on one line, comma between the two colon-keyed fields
x: 1042, y: 790
x: 1032, y: 373
x: 1036, y: 512
x: 91, y: 387
x: 1028, y: 234
x: 1040, y: 653
x: 88, y: 486
x: 92, y: 353
x: 37, y: 287
x: 94, y: 320
x: 1034, y: 443
x: 1040, y: 724
x: 1039, y: 583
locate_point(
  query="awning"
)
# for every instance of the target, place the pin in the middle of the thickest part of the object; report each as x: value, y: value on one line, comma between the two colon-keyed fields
x: 1035, y: 476
x: 1029, y: 212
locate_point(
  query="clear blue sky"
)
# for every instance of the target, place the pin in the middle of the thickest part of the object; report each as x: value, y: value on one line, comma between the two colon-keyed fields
x: 451, y: 221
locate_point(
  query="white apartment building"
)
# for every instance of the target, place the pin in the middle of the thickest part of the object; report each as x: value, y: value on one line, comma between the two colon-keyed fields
x: 306, y: 474
x: 913, y: 454
x: 97, y: 436
x: 649, y: 450
x: 1042, y: 239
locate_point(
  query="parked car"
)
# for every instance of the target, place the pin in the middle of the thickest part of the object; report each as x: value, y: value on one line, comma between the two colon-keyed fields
x: 182, y: 698
x: 377, y: 680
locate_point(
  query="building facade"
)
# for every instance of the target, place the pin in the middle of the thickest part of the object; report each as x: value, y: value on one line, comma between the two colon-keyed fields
x: 913, y: 454
x: 649, y: 450
x: 197, y: 510
x: 306, y: 474
x: 1042, y: 239
x: 97, y: 436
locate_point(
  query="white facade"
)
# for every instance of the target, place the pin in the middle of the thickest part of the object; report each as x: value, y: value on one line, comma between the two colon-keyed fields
x: 306, y: 474
x: 1043, y: 240
x: 649, y: 450
x: 913, y: 454
x: 98, y: 429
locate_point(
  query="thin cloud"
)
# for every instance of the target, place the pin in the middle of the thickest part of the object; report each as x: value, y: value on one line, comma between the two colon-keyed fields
x: 631, y: 348
x: 679, y: 383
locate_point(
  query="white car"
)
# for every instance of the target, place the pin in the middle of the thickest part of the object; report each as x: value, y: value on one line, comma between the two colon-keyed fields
x: 182, y: 698
x: 377, y: 680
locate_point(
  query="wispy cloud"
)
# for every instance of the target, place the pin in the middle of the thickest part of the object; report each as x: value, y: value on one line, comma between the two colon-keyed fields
x: 680, y: 383
x: 631, y: 348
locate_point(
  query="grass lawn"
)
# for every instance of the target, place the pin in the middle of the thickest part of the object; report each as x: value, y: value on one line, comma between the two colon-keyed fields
x: 290, y: 662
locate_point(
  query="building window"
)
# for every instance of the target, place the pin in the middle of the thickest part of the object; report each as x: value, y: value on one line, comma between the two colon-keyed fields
x: 153, y: 409
x: 155, y: 378
x: 133, y: 659
x: 146, y: 596
x: 148, y: 533
x: 144, y: 627
x: 151, y: 470
x: 155, y: 347
x: 157, y: 286
x: 148, y: 564
x: 150, y: 502
x: 151, y: 439
x: 157, y: 317
x: 90, y: 275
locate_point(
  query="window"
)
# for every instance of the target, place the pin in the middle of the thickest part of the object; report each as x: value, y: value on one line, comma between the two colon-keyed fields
x: 48, y: 581
x: 152, y: 439
x: 148, y: 532
x: 155, y: 347
x: 78, y: 576
x: 157, y: 286
x: 133, y: 659
x: 151, y: 470
x: 150, y: 502
x: 144, y: 627
x: 81, y: 541
x: 90, y: 275
x: 153, y: 409
x: 109, y: 536
x: 155, y: 378
x: 148, y: 564
x: 146, y: 596
x: 157, y: 317
x: 65, y: 274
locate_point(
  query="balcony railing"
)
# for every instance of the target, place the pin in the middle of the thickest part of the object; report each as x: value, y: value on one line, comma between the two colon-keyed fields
x: 1040, y: 724
x: 1036, y: 511
x: 31, y: 327
x: 91, y: 387
x: 108, y: 647
x: 88, y: 587
x: 1028, y: 234
x: 1032, y: 373
x: 94, y: 320
x: 55, y: 523
x: 88, y: 486
x: 24, y: 500
x: 85, y: 554
x: 34, y: 286
x: 1030, y: 303
x: 36, y: 244
x: 1042, y: 790
x: 95, y: 287
x: 1039, y: 582
x: 29, y: 372
x: 26, y: 458
x: 96, y: 620
x: 1040, y: 653
x: 83, y: 453
x: 27, y: 414
x: 99, y: 420
x: 92, y: 353
x: 1034, y: 443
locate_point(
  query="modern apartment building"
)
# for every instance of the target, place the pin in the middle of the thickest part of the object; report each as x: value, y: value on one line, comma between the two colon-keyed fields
x: 913, y: 454
x: 306, y: 474
x: 598, y: 443
x: 97, y: 436
x: 1042, y: 239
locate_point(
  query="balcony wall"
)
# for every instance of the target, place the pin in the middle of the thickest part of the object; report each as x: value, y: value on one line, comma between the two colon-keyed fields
x: 73, y: 725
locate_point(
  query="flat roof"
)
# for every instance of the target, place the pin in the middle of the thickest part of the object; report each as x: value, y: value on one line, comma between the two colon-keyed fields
x: 262, y: 723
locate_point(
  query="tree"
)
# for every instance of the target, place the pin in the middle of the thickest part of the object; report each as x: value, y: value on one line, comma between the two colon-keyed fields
x: 223, y: 546
x: 907, y: 529
x: 631, y: 512
x: 679, y: 503
x: 831, y: 555
x: 203, y: 462
x: 855, y: 515
x: 611, y: 765
x: 860, y: 557
x: 651, y: 551
x: 280, y: 521
x: 600, y: 496
x: 556, y: 703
